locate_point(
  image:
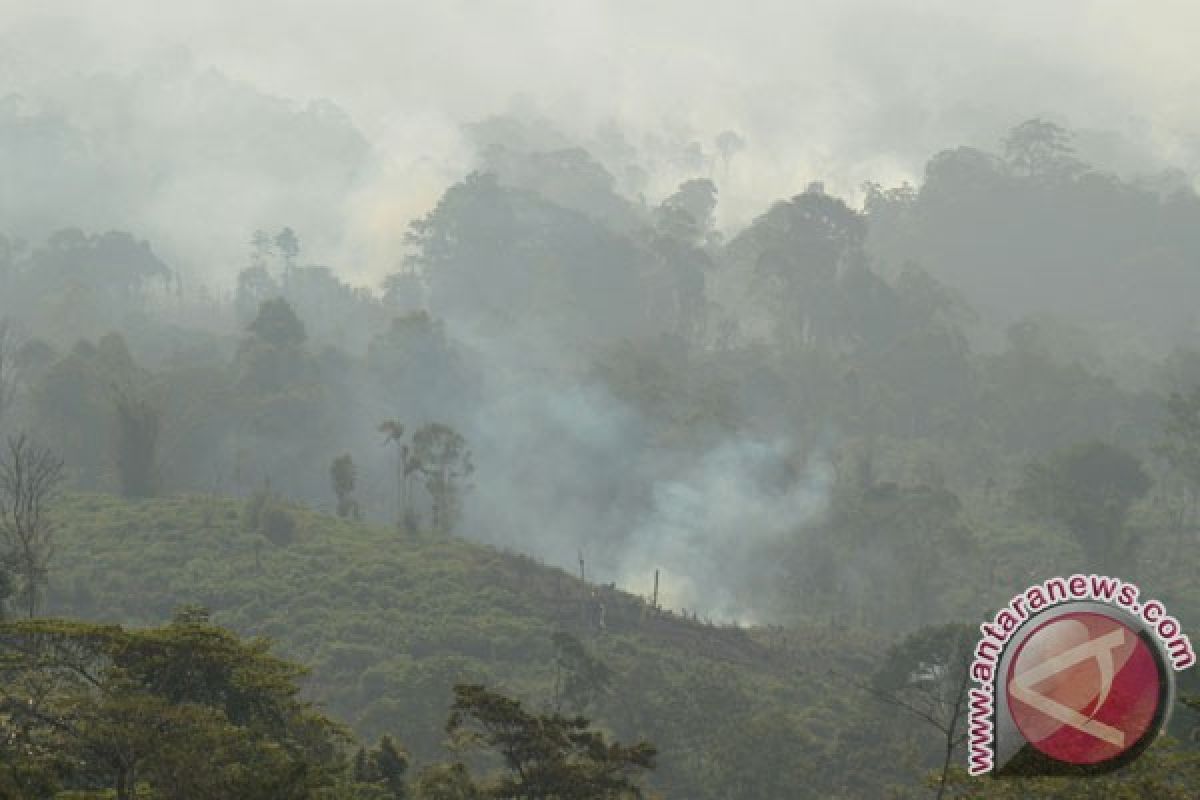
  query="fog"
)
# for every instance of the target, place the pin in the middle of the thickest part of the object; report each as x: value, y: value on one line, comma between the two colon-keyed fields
x: 836, y: 91
x: 649, y: 379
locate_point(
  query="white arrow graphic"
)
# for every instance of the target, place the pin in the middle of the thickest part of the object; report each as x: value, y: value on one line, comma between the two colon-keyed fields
x: 1101, y: 649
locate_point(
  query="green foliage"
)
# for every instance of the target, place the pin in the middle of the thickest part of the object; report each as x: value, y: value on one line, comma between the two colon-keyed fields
x: 389, y: 626
x: 343, y: 474
x: 277, y: 324
x: 545, y: 755
x: 137, y: 433
x: 1180, y: 445
x: 446, y: 782
x: 265, y: 513
x: 1166, y: 771
x: 441, y: 456
x: 579, y: 678
x: 1089, y: 489
x: 188, y: 709
x: 382, y: 769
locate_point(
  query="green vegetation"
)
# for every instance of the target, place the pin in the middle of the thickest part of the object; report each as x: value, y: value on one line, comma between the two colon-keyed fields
x: 390, y: 624
x: 845, y: 433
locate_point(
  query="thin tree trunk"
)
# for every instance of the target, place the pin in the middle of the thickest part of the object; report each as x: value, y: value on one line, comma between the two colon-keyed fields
x: 952, y: 730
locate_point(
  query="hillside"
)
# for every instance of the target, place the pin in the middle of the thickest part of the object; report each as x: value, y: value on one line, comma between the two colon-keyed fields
x: 389, y: 623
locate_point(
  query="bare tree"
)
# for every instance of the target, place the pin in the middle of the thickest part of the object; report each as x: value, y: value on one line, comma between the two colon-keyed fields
x: 8, y: 367
x: 30, y: 477
x: 926, y: 675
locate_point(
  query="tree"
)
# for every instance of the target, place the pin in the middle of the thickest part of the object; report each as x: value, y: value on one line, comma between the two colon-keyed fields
x: 926, y: 676
x: 1037, y: 147
x: 137, y: 430
x: 383, y: 768
x: 446, y: 782
x: 29, y: 480
x: 1180, y: 446
x: 9, y: 347
x: 260, y: 249
x: 343, y: 474
x: 546, y: 756
x: 188, y: 709
x: 441, y: 455
x: 793, y: 255
x: 288, y: 245
x: 407, y: 518
x: 265, y: 512
x: 579, y: 677
x: 392, y: 764
x: 687, y: 215
x: 729, y: 143
x: 1089, y: 489
x: 277, y: 324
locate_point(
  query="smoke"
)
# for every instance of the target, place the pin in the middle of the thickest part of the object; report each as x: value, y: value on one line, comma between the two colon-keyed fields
x: 193, y: 125
x: 170, y: 119
x: 710, y: 528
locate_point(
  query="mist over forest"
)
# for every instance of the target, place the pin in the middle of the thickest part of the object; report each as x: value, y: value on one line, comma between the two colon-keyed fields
x: 853, y: 317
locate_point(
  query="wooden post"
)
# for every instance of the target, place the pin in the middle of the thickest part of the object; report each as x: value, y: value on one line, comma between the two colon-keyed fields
x: 583, y: 597
x: 654, y: 602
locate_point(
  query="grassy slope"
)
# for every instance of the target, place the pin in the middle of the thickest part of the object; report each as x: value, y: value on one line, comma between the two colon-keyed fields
x: 389, y: 623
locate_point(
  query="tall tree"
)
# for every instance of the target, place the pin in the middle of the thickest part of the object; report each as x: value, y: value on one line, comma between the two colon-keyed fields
x: 1180, y: 446
x: 792, y: 257
x: 8, y: 367
x: 288, y: 245
x: 441, y: 455
x: 407, y: 518
x: 1039, y: 148
x: 1089, y: 489
x: 343, y: 474
x: 30, y: 476
x: 137, y: 431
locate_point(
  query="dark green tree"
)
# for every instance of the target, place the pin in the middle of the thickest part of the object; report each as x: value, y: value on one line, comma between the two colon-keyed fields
x: 277, y: 324
x: 137, y: 433
x: 383, y: 768
x: 1180, y: 445
x: 343, y: 474
x: 1088, y: 489
x: 188, y: 711
x: 545, y: 756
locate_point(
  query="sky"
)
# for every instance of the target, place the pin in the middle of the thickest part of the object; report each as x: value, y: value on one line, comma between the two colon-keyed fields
x: 843, y: 92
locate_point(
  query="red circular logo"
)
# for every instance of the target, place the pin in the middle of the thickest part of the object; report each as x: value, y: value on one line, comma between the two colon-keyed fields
x: 1084, y: 688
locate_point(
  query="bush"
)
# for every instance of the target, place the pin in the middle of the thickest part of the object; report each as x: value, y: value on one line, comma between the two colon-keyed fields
x: 278, y: 524
x: 265, y: 513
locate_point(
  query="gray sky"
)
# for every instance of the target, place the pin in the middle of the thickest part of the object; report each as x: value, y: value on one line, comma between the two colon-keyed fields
x: 844, y: 90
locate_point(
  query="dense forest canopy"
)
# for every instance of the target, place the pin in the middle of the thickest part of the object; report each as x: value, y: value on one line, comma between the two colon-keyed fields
x: 593, y: 459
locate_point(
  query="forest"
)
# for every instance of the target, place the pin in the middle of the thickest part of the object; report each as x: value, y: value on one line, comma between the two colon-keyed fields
x: 589, y: 493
